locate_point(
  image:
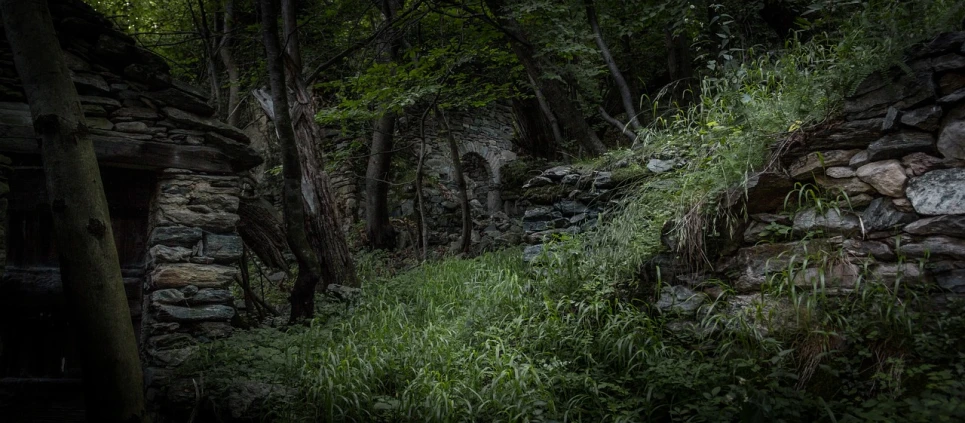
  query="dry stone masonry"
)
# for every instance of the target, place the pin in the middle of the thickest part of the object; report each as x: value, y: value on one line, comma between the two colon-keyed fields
x: 891, y: 176
x: 162, y: 149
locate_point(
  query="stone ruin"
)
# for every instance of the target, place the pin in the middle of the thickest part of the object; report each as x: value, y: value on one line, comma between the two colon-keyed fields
x: 173, y: 177
x: 892, y: 176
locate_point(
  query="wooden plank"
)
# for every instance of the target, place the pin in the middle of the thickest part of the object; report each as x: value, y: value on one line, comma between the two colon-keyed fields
x: 132, y: 154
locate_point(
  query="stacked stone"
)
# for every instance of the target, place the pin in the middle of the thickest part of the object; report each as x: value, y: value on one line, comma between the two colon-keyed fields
x: 573, y: 206
x: 892, y: 176
x: 194, y: 255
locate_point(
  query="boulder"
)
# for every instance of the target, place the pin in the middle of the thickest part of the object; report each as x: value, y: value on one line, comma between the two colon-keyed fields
x: 938, y: 192
x: 887, y: 177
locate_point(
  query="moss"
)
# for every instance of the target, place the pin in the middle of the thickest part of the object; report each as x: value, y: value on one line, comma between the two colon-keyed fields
x: 545, y: 194
x: 630, y: 174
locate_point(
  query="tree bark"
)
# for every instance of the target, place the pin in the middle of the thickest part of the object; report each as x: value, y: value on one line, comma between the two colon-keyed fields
x: 324, y: 231
x: 89, y: 265
x: 565, y: 108
x: 618, y: 79
x: 309, y: 267
x: 466, y: 236
x: 378, y: 229
x: 544, y: 106
x: 228, y: 59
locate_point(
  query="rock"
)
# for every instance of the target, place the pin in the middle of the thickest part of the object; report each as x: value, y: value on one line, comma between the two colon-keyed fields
x: 894, y: 146
x: 924, y: 118
x: 211, y: 296
x: 200, y: 216
x: 887, y: 177
x: 136, y: 113
x: 538, y: 181
x: 660, y: 166
x: 246, y: 398
x: 838, y: 275
x: 241, y: 155
x: 343, y: 293
x: 136, y: 127
x: 935, y: 247
x: 167, y: 296
x: 902, y: 205
x: 951, y: 140
x: 213, y: 330
x: 750, y: 267
x: 951, y: 225
x: 536, y: 213
x: 868, y: 249
x: 99, y: 123
x: 603, y: 180
x: 856, y: 201
x: 839, y: 172
x: 951, y: 82
x: 170, y: 341
x: 766, y: 192
x: 954, y: 97
x: 107, y: 103
x: 679, y: 299
x: 92, y: 84
x: 190, y: 290
x: 557, y: 173
x: 176, y: 275
x: 891, y: 118
x: 771, y: 218
x: 570, y: 208
x: 938, y: 192
x: 907, y: 273
x: 166, y: 254
x: 944, y: 43
x: 805, y: 167
x: 173, y: 357
x: 849, y: 186
x: 206, y: 124
x: 882, y: 215
x: 859, y: 159
x: 920, y: 163
x: 571, y: 179
x: 755, y: 232
x: 908, y: 91
x: 536, y: 226
x: 830, y: 222
x: 181, y: 100
x: 175, y: 236
x: 531, y: 252
x: 208, y: 313
x: 953, y: 280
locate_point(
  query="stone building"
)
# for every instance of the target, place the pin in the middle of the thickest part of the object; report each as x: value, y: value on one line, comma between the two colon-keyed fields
x: 172, y: 175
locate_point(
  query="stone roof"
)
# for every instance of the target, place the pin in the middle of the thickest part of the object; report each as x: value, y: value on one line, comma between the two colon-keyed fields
x: 138, y: 115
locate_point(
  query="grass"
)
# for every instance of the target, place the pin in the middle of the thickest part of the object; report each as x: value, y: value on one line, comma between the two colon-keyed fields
x: 489, y: 339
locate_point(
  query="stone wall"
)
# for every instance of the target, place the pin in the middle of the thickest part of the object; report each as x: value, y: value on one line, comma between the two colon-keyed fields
x: 891, y: 178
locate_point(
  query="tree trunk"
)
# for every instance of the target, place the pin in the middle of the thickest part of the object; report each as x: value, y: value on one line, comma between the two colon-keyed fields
x: 679, y: 66
x: 544, y: 106
x: 89, y: 266
x: 378, y: 229
x: 324, y: 231
x: 466, y: 236
x: 228, y: 59
x: 565, y: 108
x: 309, y: 268
x: 621, y: 83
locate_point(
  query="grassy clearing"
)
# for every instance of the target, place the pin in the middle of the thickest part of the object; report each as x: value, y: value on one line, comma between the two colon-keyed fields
x: 488, y: 339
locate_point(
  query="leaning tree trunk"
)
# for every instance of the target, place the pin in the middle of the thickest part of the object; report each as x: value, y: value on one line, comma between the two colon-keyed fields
x: 90, y: 269
x: 567, y: 111
x: 466, y: 236
x: 621, y: 83
x: 324, y: 230
x: 309, y: 267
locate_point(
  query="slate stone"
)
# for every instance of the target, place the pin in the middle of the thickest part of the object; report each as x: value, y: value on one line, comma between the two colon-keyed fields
x: 908, y: 91
x: 90, y: 84
x: 536, y: 213
x: 531, y: 252
x: 935, y: 247
x: 242, y: 157
x: 907, y: 273
x: 181, y: 100
x: 557, y: 173
x: 951, y: 225
x: 925, y: 118
x: 805, y: 167
x: 223, y: 248
x: 894, y: 146
x: 178, y: 275
x: 842, y: 135
x: 211, y: 296
x: 953, y: 280
x: 830, y: 222
x: 603, y: 180
x: 136, y: 127
x: 166, y: 254
x: 660, y: 166
x: 537, y: 226
x: 174, y: 236
x: 944, y: 43
x: 873, y: 249
x: 206, y: 124
x: 850, y: 186
x: 766, y: 192
x: 887, y: 177
x: 208, y: 313
x: 167, y: 296
x: 859, y: 159
x: 918, y: 164
x: 571, y: 179
x: 890, y: 120
x: 107, y: 103
x: 938, y: 192
x: 953, y: 97
x: 538, y: 181
x: 882, y: 215
x: 570, y: 208
x: 679, y: 299
x: 136, y: 113
x: 951, y: 140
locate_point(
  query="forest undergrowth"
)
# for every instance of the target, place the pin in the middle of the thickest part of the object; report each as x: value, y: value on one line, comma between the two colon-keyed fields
x: 494, y: 339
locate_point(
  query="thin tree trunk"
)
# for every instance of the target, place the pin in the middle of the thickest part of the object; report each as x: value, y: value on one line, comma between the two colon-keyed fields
x: 324, y: 231
x: 228, y: 59
x: 617, y: 124
x: 90, y: 269
x: 377, y: 227
x: 621, y: 83
x: 309, y: 268
x: 548, y: 112
x: 466, y: 236
x: 565, y: 108
x: 209, y: 53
